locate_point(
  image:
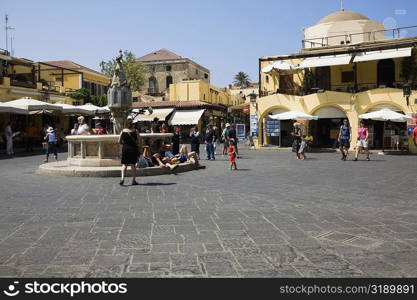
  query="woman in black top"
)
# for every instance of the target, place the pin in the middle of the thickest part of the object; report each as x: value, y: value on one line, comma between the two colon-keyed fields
x: 176, y: 141
x: 129, y: 138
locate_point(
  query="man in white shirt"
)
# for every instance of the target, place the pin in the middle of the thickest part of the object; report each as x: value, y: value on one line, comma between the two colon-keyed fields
x: 9, y: 139
x: 82, y: 127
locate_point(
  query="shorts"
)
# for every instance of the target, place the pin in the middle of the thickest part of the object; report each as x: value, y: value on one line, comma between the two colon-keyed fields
x: 362, y: 143
x: 344, y: 143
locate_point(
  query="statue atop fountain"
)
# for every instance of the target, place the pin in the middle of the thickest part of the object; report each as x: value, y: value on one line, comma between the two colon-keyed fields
x: 119, y: 96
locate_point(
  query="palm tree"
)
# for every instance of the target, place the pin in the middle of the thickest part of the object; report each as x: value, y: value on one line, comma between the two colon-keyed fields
x: 242, y: 80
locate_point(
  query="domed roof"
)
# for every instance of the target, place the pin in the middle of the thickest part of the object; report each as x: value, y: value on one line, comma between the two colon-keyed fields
x: 343, y: 15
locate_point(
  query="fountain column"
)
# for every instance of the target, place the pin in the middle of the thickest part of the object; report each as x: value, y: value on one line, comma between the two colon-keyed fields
x: 119, y: 96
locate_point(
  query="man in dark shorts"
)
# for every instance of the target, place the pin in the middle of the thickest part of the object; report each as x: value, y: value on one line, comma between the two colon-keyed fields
x: 345, y: 135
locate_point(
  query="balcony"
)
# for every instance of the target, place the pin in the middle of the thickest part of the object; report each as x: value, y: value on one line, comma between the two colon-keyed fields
x: 24, y: 84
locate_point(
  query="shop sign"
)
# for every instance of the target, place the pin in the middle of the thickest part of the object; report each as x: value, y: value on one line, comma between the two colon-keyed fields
x: 240, y: 132
x: 273, y: 127
x: 254, y: 124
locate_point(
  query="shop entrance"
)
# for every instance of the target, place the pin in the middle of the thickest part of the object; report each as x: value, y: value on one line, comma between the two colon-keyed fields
x: 325, y: 130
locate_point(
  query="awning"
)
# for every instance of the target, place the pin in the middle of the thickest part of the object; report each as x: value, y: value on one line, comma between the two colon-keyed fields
x: 385, y: 106
x: 186, y: 117
x: 384, y: 54
x: 279, y: 65
x: 386, y: 115
x: 93, y: 109
x: 324, y: 61
x: 330, y: 113
x: 160, y: 113
x: 292, y: 115
x: 4, y: 108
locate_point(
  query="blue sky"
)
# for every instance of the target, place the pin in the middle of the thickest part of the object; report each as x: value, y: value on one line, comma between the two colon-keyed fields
x: 224, y: 36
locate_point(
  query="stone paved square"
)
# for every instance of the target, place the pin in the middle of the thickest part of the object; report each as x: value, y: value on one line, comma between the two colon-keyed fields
x: 275, y: 217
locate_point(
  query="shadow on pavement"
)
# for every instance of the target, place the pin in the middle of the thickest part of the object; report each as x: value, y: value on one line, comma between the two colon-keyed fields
x: 157, y: 183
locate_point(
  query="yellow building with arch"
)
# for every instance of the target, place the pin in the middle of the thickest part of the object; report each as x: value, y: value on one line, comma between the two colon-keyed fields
x: 342, y: 77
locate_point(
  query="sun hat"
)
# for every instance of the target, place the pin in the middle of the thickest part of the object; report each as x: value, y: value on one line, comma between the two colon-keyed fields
x: 50, y: 129
x: 227, y: 125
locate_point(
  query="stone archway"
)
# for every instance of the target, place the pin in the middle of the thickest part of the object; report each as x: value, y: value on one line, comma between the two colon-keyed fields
x: 325, y: 130
x: 262, y: 123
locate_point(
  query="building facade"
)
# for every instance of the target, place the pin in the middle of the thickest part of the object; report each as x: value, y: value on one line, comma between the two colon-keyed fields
x: 165, y: 67
x: 190, y: 90
x: 342, y: 76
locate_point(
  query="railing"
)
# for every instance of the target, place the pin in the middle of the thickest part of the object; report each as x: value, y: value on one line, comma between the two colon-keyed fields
x: 25, y: 84
x: 343, y: 88
x: 369, y: 36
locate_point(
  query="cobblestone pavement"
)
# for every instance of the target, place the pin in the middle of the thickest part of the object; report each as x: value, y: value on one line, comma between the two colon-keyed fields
x: 275, y: 217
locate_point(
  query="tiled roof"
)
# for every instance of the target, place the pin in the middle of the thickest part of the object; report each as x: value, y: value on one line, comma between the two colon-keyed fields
x: 162, y: 54
x: 178, y: 104
x: 71, y: 65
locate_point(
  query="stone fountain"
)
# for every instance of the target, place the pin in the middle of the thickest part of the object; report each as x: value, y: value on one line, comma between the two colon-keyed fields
x: 99, y: 155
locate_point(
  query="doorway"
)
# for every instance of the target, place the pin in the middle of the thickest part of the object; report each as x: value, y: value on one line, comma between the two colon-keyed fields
x: 386, y: 73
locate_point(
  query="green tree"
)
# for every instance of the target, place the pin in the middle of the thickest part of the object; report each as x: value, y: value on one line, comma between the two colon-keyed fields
x: 409, y: 68
x: 134, y: 70
x: 99, y: 100
x: 81, y: 94
x: 309, y: 82
x: 242, y: 80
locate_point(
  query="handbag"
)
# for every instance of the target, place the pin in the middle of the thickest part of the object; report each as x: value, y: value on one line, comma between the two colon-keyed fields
x: 44, y: 145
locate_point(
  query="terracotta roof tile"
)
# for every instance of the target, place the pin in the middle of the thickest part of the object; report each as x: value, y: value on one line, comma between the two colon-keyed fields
x: 71, y: 65
x: 162, y: 54
x: 178, y: 104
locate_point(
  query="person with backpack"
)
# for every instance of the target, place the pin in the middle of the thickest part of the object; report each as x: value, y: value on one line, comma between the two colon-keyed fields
x: 225, y: 138
x: 345, y: 136
x: 195, y: 141
x: 51, y: 138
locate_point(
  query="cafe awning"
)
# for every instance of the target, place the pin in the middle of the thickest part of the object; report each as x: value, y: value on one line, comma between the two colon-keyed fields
x: 4, y: 108
x: 324, y: 61
x: 160, y: 113
x: 383, y: 54
x: 32, y: 105
x: 186, y: 117
x: 93, y: 109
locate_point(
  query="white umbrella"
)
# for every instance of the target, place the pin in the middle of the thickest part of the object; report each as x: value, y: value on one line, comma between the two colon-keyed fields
x: 4, y: 108
x: 94, y: 109
x: 32, y: 105
x: 293, y: 115
x: 72, y: 109
x: 385, y: 115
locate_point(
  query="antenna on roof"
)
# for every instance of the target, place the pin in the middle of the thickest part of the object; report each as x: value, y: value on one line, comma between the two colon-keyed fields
x: 341, y: 5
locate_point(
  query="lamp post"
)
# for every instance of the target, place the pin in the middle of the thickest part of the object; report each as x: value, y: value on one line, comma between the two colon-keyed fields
x: 407, y: 92
x: 254, y: 120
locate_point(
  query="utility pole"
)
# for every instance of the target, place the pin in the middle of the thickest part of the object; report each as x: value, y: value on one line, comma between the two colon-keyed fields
x: 7, y: 29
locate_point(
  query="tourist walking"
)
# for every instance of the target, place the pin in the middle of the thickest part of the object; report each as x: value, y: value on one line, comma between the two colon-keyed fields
x: 232, y: 154
x: 195, y: 141
x: 8, y: 132
x: 83, y: 128
x: 303, y: 148
x: 216, y: 138
x: 362, y: 144
x: 129, y: 138
x: 210, y: 140
x: 225, y: 138
x: 296, y: 134
x: 51, y: 139
x: 176, y: 141
x: 345, y: 136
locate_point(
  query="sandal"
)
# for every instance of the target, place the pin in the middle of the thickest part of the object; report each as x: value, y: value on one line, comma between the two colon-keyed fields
x: 122, y: 182
x: 135, y: 183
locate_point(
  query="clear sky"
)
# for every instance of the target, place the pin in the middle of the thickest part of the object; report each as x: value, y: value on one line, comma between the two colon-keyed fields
x: 226, y: 36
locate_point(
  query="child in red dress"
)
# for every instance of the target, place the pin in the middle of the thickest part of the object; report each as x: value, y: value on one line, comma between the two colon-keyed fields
x: 232, y: 154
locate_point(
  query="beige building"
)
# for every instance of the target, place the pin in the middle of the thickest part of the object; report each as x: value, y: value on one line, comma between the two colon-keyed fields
x: 190, y: 90
x: 335, y: 79
x: 165, y: 68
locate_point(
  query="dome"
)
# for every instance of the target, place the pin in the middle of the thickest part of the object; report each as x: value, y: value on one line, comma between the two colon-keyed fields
x: 342, y: 15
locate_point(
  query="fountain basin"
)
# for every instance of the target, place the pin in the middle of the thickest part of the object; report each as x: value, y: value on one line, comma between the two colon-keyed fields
x: 100, y: 155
